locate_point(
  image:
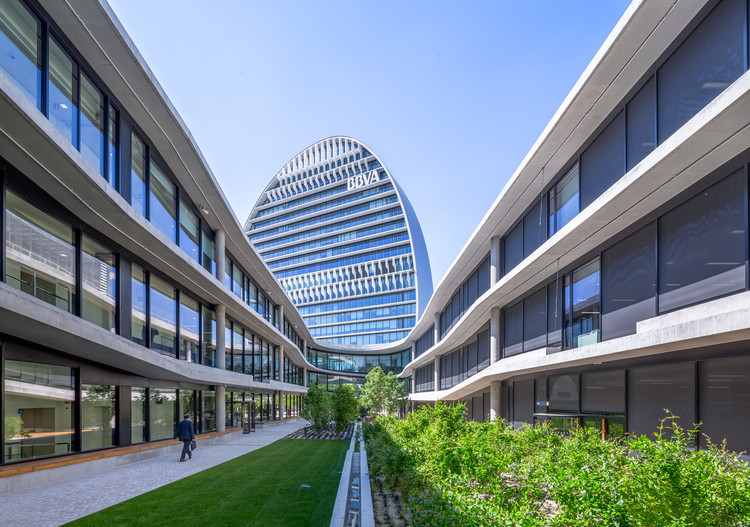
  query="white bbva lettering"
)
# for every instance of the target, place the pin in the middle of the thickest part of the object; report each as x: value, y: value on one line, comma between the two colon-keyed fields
x: 361, y: 180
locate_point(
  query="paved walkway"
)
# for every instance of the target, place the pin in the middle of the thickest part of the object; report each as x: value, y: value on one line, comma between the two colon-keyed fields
x: 65, y: 501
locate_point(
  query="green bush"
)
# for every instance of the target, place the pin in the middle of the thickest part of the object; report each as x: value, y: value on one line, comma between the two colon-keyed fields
x: 345, y: 406
x: 453, y: 472
x: 316, y: 407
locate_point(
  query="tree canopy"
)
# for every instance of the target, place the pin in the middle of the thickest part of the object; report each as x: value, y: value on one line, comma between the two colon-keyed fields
x: 382, y: 393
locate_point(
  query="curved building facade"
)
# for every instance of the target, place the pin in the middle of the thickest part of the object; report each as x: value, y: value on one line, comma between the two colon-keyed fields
x: 344, y: 242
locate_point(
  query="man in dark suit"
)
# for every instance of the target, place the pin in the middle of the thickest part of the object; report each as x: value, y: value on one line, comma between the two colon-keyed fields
x: 185, y: 433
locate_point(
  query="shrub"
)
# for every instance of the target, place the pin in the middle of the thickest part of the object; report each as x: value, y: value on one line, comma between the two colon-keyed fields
x: 345, y: 406
x: 316, y: 407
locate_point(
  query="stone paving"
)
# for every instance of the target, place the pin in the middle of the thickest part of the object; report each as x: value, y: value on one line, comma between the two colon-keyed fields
x: 73, y: 498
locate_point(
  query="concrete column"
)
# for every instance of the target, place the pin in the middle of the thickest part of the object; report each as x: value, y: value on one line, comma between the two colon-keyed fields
x: 437, y: 328
x: 494, y: 400
x: 281, y: 405
x: 437, y: 373
x: 221, y: 318
x: 221, y: 408
x: 304, y: 377
x: 494, y: 335
x: 494, y: 260
x: 221, y: 254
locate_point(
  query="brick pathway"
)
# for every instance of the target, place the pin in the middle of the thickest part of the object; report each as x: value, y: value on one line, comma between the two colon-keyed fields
x: 74, y: 497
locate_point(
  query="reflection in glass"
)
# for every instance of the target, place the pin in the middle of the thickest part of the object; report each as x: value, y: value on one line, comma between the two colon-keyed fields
x: 603, y: 162
x: 564, y: 201
x: 237, y: 341
x: 99, y: 274
x: 640, y: 116
x: 62, y: 89
x: 189, y: 232
x: 39, y: 410
x: 137, y: 414
x: 535, y: 320
x: 20, y: 49
x: 162, y: 406
x: 97, y: 416
x: 585, y: 321
x: 138, y: 305
x: 208, y: 321
x: 163, y: 310
x: 138, y: 174
x: 39, y: 253
x: 513, y: 330
x: 187, y: 404
x: 227, y: 344
x: 209, y: 253
x: 208, y: 411
x: 113, y: 141
x: 702, y: 245
x: 189, y: 329
x: 163, y: 202
x: 92, y: 124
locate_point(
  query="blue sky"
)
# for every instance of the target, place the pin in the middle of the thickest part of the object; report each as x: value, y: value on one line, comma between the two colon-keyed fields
x: 450, y: 95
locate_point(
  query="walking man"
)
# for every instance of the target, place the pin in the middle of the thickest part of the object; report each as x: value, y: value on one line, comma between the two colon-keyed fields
x: 185, y: 433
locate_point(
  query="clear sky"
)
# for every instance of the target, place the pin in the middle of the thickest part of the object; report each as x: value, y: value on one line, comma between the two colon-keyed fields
x: 450, y: 95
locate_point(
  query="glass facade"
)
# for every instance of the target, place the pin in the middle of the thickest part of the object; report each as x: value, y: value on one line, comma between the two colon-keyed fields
x: 372, y: 253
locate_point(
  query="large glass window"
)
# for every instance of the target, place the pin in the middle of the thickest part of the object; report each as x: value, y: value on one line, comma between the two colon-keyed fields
x: 724, y: 399
x: 563, y: 393
x: 554, y: 314
x: 227, y: 344
x: 99, y: 275
x: 209, y: 253
x: 62, y: 92
x: 513, y: 248
x: 39, y: 410
x: 189, y: 329
x: 138, y: 305
x: 628, y: 284
x: 523, y: 402
x: 208, y: 348
x: 603, y: 162
x: 40, y: 254
x: 162, y: 202
x: 248, y: 353
x: 534, y: 229
x: 641, y: 124
x: 535, y: 320
x: 162, y: 406
x: 237, y: 341
x: 97, y: 416
x: 138, y: 169
x: 709, y: 60
x: 92, y: 124
x: 163, y: 316
x: 208, y: 411
x: 603, y: 392
x: 564, y: 201
x: 112, y: 142
x: 187, y: 404
x: 189, y: 232
x: 20, y: 49
x: 702, y: 245
x: 583, y: 324
x: 137, y: 414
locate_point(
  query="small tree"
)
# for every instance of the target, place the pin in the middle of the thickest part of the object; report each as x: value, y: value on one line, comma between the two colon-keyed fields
x: 381, y: 392
x: 345, y: 406
x: 316, y: 407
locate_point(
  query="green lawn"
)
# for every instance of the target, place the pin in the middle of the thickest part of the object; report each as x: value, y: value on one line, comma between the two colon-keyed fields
x: 259, y: 488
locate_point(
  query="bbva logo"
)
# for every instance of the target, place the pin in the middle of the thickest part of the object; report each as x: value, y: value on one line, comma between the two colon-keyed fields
x: 361, y: 180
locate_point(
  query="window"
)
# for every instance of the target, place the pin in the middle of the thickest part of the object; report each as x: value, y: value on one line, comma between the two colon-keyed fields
x: 162, y: 202
x: 523, y: 403
x: 534, y: 230
x: 702, y: 245
x: 138, y: 157
x: 92, y: 124
x: 97, y: 416
x: 209, y: 253
x: 163, y: 316
x: 189, y: 329
x: 709, y: 60
x: 641, y: 124
x: 554, y: 314
x: 40, y: 255
x: 138, y: 310
x: 535, y: 320
x: 99, y: 275
x: 564, y: 202
x: 654, y: 388
x: 40, y: 400
x: 628, y: 283
x: 228, y: 272
x: 208, y: 346
x: 138, y: 402
x: 162, y: 406
x: 227, y: 344
x: 21, y: 50
x: 603, y: 162
x: 513, y: 248
x: 563, y: 393
x: 513, y: 330
x: 189, y: 232
x: 112, y: 149
x: 237, y: 341
x: 603, y: 392
x: 62, y: 90
x: 724, y: 396
x: 582, y: 300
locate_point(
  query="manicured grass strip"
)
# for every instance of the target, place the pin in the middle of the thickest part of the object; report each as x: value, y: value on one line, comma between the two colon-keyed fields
x: 260, y: 488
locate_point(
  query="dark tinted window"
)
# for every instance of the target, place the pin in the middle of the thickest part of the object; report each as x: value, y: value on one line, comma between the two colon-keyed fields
x: 628, y: 283
x: 534, y: 229
x: 513, y: 251
x: 725, y: 401
x: 702, y: 245
x: 523, y: 402
x: 554, y: 314
x: 709, y: 60
x: 603, y: 162
x: 603, y: 392
x: 513, y: 330
x: 483, y: 349
x: 641, y: 123
x: 652, y: 389
x: 535, y: 320
x: 563, y: 393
